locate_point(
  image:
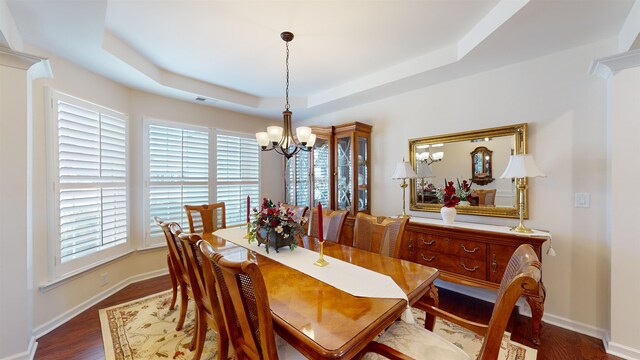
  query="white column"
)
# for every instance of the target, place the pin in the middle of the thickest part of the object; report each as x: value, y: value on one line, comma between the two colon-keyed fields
x: 625, y: 241
x: 16, y: 311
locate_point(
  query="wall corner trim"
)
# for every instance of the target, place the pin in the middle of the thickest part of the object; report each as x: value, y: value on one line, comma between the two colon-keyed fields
x: 609, y: 65
x: 30, y: 354
x: 623, y: 351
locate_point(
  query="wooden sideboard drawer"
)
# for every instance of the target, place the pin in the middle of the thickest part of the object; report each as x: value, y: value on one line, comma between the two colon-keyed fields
x: 451, y: 246
x: 475, y: 268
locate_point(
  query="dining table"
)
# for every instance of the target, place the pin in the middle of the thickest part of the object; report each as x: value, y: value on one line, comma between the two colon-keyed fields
x: 318, y: 319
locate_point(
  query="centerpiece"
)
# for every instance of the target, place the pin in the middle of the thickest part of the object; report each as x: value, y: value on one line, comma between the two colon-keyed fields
x: 463, y: 192
x: 449, y: 201
x: 276, y: 226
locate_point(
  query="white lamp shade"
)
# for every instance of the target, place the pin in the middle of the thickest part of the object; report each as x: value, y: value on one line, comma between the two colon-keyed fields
x: 275, y: 133
x: 311, y: 141
x: 424, y: 171
x: 263, y: 138
x: 303, y: 133
x: 521, y: 166
x: 404, y: 171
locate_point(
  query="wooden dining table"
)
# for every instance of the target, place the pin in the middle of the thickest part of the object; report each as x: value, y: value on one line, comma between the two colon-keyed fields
x: 319, y: 320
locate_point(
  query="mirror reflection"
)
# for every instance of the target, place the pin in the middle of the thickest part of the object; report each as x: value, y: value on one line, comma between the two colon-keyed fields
x: 469, y: 160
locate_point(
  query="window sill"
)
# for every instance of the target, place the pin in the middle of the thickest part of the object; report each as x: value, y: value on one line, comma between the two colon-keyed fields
x: 47, y: 286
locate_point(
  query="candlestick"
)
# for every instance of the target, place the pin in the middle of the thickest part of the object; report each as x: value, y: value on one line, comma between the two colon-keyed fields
x: 321, y: 261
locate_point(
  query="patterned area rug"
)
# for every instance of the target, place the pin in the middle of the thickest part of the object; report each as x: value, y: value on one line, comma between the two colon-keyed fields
x: 145, y: 329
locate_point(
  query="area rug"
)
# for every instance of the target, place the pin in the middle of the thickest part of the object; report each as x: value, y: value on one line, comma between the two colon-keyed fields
x: 145, y: 329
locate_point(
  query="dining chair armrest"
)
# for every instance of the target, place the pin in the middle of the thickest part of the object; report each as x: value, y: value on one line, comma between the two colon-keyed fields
x: 478, y: 328
x: 384, y: 350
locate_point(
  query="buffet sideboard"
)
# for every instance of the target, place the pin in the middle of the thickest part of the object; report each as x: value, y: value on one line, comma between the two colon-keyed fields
x: 468, y: 254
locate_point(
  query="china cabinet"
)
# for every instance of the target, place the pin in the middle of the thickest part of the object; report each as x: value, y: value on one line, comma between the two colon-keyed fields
x: 335, y: 173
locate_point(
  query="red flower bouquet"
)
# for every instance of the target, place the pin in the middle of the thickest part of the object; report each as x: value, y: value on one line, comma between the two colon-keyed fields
x: 275, y: 225
x: 449, y: 198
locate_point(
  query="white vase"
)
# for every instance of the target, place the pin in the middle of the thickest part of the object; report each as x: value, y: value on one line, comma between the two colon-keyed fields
x: 448, y: 214
x: 464, y: 203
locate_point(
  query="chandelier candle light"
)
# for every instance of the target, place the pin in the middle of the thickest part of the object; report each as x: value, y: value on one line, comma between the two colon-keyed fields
x: 520, y: 167
x: 321, y: 261
x: 279, y: 138
x: 403, y: 172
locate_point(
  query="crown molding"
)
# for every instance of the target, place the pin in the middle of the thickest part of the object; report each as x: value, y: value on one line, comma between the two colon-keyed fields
x: 607, y: 66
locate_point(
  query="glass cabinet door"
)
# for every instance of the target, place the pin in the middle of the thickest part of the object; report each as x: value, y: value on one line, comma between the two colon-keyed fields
x: 363, y: 174
x: 321, y: 173
x: 344, y: 169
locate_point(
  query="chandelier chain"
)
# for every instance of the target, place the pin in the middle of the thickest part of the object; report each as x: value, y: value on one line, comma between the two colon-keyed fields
x: 287, y: 87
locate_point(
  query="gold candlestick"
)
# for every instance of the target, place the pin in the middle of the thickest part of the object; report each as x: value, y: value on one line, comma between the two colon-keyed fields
x: 321, y: 261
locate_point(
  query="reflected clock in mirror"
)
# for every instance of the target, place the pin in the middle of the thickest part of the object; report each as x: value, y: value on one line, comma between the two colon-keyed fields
x: 489, y: 148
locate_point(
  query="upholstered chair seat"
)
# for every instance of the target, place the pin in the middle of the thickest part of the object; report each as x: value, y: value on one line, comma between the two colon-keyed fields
x: 418, y: 343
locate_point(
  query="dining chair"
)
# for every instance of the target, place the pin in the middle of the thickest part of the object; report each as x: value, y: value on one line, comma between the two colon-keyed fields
x: 410, y: 341
x: 379, y: 234
x: 171, y: 232
x: 332, y: 223
x: 206, y: 218
x: 486, y: 197
x: 171, y: 264
x: 246, y: 309
x: 208, y: 311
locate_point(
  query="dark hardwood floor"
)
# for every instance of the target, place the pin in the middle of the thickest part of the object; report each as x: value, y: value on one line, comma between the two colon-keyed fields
x: 81, y: 337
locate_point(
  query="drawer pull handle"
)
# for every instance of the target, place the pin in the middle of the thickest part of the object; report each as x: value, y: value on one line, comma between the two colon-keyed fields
x: 468, y: 269
x: 429, y: 259
x: 476, y: 249
x: 428, y: 243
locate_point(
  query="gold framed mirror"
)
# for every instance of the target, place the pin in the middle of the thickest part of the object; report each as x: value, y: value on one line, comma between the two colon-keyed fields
x: 441, y: 157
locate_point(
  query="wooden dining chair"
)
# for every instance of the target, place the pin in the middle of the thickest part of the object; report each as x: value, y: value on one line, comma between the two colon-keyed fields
x: 208, y: 310
x: 206, y: 218
x: 171, y: 263
x: 171, y: 232
x: 486, y: 197
x: 379, y: 234
x: 409, y: 341
x: 246, y: 309
x: 332, y: 223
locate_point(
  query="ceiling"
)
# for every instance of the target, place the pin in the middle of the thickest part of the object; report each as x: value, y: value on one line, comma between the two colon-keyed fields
x: 344, y: 53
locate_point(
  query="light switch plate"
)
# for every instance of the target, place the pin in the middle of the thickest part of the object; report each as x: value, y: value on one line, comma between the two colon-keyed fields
x: 582, y: 200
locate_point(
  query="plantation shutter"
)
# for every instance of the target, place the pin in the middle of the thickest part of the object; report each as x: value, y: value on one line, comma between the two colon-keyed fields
x: 178, y: 173
x: 92, y: 179
x: 238, y: 175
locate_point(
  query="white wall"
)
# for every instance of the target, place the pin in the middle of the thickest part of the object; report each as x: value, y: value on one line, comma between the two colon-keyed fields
x: 625, y: 247
x: 58, y: 303
x: 566, y: 111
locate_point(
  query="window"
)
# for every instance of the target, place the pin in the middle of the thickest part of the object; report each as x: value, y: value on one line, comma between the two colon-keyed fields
x: 88, y: 170
x: 238, y: 174
x: 178, y: 173
x: 297, y: 179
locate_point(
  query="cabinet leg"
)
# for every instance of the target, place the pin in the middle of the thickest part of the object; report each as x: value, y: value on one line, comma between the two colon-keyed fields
x: 431, y: 298
x: 536, y: 302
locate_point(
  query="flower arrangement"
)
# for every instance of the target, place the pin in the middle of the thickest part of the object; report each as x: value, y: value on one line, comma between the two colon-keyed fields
x: 274, y: 221
x: 451, y: 195
x: 463, y: 190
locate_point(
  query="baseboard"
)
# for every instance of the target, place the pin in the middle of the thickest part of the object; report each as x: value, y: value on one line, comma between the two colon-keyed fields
x: 525, y: 310
x: 619, y: 350
x: 75, y: 311
x: 27, y: 355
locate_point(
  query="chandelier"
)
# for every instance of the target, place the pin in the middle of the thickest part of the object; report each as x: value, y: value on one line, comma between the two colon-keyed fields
x: 279, y: 138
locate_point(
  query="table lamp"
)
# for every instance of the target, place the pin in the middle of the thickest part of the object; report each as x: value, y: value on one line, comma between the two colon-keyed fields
x: 403, y: 172
x: 520, y: 167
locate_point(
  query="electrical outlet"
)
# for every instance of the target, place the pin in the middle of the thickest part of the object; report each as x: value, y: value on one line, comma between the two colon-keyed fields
x: 105, y: 279
x: 581, y: 200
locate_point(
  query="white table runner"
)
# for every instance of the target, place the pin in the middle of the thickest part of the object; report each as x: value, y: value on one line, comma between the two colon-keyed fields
x: 350, y: 278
